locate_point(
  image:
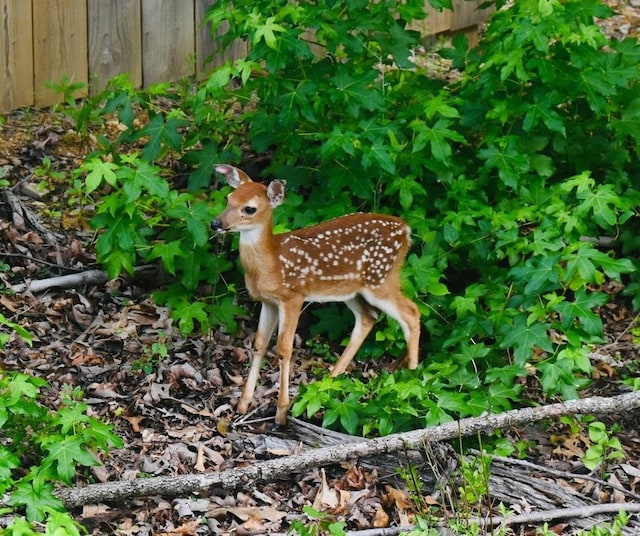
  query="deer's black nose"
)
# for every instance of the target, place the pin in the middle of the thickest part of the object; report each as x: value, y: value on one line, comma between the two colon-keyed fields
x: 216, y: 225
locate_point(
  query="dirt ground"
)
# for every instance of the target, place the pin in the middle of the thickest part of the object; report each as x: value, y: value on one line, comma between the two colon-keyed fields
x: 176, y: 413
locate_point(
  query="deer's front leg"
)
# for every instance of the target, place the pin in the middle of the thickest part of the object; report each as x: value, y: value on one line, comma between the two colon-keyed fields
x: 289, y: 315
x: 266, y: 325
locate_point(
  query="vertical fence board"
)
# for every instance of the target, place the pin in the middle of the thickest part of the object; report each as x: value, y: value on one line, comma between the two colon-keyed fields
x: 16, y: 53
x: 436, y: 21
x: 115, y: 41
x: 59, y: 45
x: 466, y: 14
x: 239, y: 49
x: 205, y: 44
x: 168, y: 40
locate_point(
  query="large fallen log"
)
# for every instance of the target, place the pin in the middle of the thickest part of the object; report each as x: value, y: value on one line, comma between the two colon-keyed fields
x: 271, y: 470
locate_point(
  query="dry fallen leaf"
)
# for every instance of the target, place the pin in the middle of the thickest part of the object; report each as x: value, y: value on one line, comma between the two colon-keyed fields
x: 397, y: 498
x: 326, y: 498
x: 134, y: 421
x: 199, y: 465
x: 244, y: 513
x: 186, y: 529
x: 381, y: 518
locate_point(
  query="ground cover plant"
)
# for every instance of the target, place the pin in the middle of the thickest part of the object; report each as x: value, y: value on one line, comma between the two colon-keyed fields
x: 42, y: 448
x: 507, y: 173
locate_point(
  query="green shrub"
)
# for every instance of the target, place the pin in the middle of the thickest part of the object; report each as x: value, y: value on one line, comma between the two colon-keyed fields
x: 501, y: 173
x: 42, y: 448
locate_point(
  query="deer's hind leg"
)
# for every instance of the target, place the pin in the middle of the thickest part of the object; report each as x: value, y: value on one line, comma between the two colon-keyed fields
x: 365, y: 319
x: 406, y: 313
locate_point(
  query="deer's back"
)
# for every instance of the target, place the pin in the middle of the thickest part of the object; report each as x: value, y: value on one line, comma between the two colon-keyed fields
x: 340, y: 256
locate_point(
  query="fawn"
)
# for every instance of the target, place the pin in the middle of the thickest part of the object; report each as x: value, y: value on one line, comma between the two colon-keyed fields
x: 355, y: 259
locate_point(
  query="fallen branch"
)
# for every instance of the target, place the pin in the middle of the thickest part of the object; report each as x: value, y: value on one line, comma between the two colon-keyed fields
x: 520, y: 519
x: 90, y: 277
x: 557, y: 513
x: 23, y: 217
x: 79, y: 279
x: 261, y: 472
x: 534, y: 467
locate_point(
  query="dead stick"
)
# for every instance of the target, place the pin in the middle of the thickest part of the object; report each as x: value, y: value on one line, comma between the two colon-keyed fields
x: 561, y: 474
x: 90, y: 277
x: 558, y: 513
x: 520, y: 519
x: 270, y: 470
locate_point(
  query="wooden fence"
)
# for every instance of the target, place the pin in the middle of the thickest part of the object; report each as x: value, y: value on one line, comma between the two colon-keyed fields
x: 90, y: 41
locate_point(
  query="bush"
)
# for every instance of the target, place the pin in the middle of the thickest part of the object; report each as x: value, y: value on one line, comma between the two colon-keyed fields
x: 43, y: 448
x: 501, y: 173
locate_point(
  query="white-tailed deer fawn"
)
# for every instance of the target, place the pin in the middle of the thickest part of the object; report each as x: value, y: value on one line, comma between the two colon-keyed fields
x: 355, y: 259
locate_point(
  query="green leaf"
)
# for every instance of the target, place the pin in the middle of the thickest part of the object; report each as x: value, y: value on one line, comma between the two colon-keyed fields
x: 65, y: 455
x: 62, y: 524
x: 611, y: 266
x: 161, y: 134
x: 524, y: 338
x: 593, y: 457
x: 69, y: 418
x: 505, y: 157
x: 145, y: 178
x: 558, y: 377
x: 537, y: 273
x: 36, y: 497
x: 399, y: 44
x: 167, y: 251
x: 356, y: 91
x: 204, y: 160
x: 226, y: 312
x: 440, y: 105
x: 196, y: 215
x: 502, y: 396
x: 267, y: 32
x: 582, y: 310
x: 438, y: 138
x: 189, y: 312
x: 602, y: 203
x: 99, y: 171
x: 332, y: 321
x: 346, y: 411
x: 441, y: 4
x: 543, y: 109
x: 100, y: 435
x: 8, y: 462
x: 379, y: 154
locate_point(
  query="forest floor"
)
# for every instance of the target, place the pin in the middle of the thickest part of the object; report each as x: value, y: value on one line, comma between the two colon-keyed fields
x: 176, y: 411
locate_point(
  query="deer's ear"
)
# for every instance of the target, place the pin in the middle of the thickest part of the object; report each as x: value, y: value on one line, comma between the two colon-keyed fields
x: 234, y: 176
x: 275, y: 192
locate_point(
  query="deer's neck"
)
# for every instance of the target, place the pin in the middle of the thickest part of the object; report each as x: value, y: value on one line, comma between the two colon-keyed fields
x: 258, y: 254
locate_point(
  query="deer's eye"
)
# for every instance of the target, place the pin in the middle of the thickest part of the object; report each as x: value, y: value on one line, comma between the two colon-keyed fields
x: 249, y: 211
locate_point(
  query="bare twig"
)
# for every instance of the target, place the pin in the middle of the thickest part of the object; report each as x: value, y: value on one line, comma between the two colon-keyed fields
x: 560, y: 474
x: 521, y: 519
x: 558, y: 513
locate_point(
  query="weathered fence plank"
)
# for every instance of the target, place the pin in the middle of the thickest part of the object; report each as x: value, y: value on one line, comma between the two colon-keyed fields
x: 168, y: 40
x: 16, y: 53
x: 115, y: 41
x: 205, y: 44
x: 466, y: 14
x: 59, y: 46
